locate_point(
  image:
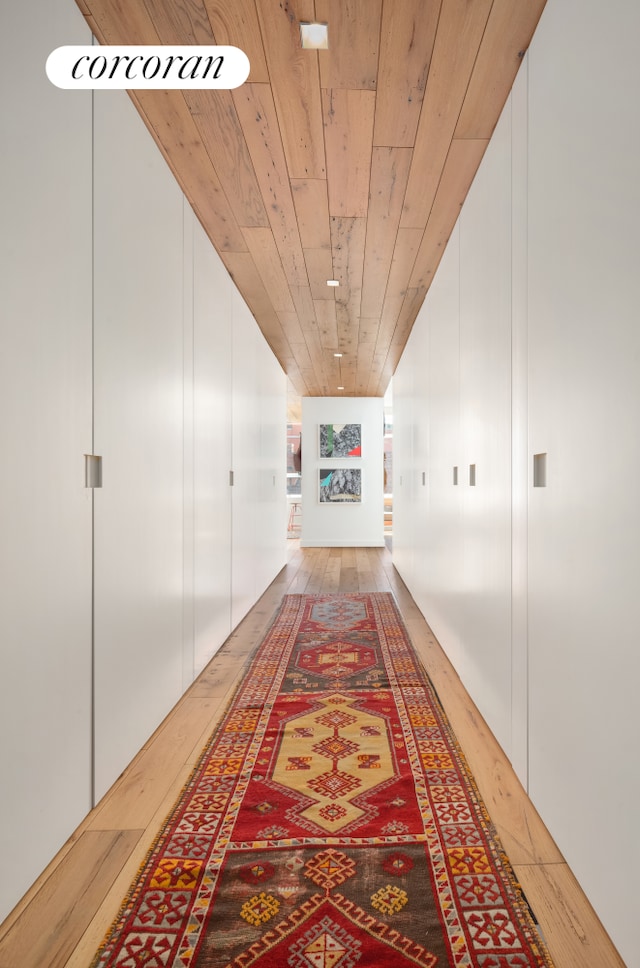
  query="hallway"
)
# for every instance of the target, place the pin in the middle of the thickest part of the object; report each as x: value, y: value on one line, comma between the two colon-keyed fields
x: 61, y: 921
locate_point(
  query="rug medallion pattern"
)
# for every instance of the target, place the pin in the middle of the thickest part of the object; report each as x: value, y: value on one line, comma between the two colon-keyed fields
x: 331, y: 822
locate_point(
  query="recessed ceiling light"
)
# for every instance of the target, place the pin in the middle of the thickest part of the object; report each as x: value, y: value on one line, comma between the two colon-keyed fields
x: 314, y: 36
x: 337, y: 354
x: 332, y: 282
x: 340, y: 388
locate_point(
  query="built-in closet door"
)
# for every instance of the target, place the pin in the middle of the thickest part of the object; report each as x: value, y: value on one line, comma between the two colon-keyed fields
x: 245, y: 459
x: 484, y: 581
x: 212, y: 380
x: 441, y: 541
x: 271, y: 549
x: 45, y: 429
x: 403, y: 468
x: 420, y: 474
x: 139, y: 385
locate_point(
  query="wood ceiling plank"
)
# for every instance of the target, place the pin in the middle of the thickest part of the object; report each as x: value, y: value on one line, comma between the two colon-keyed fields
x: 368, y: 333
x: 122, y: 23
x: 237, y: 24
x: 348, y: 374
x: 458, y: 37
x: 319, y: 269
x: 407, y: 39
x: 259, y: 126
x: 354, y: 37
x: 300, y: 386
x: 244, y: 272
x: 305, y: 309
x: 312, y: 389
x: 385, y: 333
x: 347, y: 245
x: 215, y: 117
x: 509, y: 31
x: 302, y: 354
x: 186, y: 22
x: 410, y: 309
x: 262, y: 247
x: 348, y: 342
x: 363, y: 367
x: 303, y: 302
x: 373, y: 386
x: 459, y: 171
x: 295, y: 83
x: 348, y: 125
x: 389, y: 174
x: 291, y: 325
x: 327, y: 323
x: 404, y: 257
x: 385, y: 378
x: 317, y: 356
x: 168, y: 119
x: 334, y: 375
x: 368, y: 329
x: 312, y: 209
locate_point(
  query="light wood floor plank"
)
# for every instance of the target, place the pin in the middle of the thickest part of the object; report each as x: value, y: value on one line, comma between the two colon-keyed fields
x: 134, y: 799
x: 49, y: 929
x: 570, y: 926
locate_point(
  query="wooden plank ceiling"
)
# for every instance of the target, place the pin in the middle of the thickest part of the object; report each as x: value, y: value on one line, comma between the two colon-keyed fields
x: 347, y: 164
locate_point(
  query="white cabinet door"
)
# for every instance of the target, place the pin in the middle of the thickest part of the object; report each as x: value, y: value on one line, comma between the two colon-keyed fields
x: 212, y: 449
x: 271, y: 551
x: 139, y: 345
x: 246, y: 450
x: 442, y: 538
x: 485, y: 427
x: 45, y: 428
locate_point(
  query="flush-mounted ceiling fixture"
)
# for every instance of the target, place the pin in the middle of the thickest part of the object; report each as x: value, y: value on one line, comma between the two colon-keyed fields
x: 337, y: 354
x: 340, y: 388
x: 332, y: 282
x: 314, y: 36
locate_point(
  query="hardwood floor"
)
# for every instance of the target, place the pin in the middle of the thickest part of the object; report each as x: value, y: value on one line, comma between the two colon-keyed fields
x: 65, y: 915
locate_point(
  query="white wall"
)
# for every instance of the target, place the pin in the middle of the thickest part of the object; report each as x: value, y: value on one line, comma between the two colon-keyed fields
x: 540, y: 611
x: 343, y: 525
x: 117, y: 317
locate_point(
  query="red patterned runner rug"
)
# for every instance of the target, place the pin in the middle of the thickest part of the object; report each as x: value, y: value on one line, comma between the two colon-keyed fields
x: 332, y: 821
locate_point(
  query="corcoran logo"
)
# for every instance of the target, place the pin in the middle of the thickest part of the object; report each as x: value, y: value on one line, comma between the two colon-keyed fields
x: 130, y: 67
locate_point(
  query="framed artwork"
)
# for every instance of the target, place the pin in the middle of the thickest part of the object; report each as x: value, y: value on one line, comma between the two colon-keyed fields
x: 340, y: 485
x: 340, y: 440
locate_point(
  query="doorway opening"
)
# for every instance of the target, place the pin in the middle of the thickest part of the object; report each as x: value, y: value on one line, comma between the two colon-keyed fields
x: 294, y: 465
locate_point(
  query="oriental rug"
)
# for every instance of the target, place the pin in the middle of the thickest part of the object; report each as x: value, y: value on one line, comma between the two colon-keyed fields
x: 331, y: 822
